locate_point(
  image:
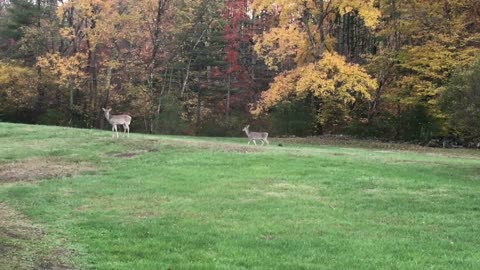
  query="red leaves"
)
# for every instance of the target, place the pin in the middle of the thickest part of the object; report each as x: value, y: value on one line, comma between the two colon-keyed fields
x: 236, y: 33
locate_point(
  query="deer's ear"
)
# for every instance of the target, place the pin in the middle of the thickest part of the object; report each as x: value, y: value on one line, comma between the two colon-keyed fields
x: 104, y: 109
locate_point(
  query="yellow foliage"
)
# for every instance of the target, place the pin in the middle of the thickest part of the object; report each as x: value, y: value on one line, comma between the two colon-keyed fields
x: 289, y: 10
x: 429, y: 67
x: 97, y: 17
x: 294, y: 41
x: 279, y: 44
x: 331, y: 76
x: 415, y: 89
x: 18, y: 87
x: 66, y: 70
x: 365, y: 8
x: 67, y: 33
x: 296, y: 38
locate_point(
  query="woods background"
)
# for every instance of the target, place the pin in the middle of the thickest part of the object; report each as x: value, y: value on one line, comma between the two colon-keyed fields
x: 391, y: 69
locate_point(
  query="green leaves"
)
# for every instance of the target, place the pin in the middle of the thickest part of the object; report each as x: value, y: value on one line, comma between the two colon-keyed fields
x: 460, y: 101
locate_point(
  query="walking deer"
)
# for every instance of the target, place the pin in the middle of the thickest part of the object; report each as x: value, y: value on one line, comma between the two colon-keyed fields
x: 115, y: 120
x: 252, y: 136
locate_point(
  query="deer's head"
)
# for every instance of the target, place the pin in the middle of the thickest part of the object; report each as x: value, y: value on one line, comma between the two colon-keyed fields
x: 107, y: 112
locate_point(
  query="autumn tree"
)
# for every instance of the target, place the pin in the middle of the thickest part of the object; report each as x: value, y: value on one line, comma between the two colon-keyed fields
x: 200, y: 37
x: 27, y: 30
x: 16, y: 16
x: 460, y: 101
x: 154, y: 33
x: 18, y: 90
x: 373, y: 68
x: 302, y: 49
x: 239, y: 55
x: 420, y: 44
x: 103, y: 44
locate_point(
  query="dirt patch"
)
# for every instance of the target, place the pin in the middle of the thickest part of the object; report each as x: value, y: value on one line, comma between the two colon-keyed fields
x: 14, y: 225
x: 407, y: 161
x: 155, y: 144
x: 415, y: 162
x: 379, y: 146
x: 56, y: 261
x: 219, y: 146
x: 308, y: 153
x: 23, y: 244
x: 38, y: 168
x: 14, y: 233
x: 131, y: 154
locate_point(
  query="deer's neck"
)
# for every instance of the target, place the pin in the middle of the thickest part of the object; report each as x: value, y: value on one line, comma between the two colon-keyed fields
x: 107, y: 115
x: 247, y: 132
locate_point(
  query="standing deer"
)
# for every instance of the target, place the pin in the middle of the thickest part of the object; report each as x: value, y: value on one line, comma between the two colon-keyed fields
x: 115, y: 120
x: 252, y: 136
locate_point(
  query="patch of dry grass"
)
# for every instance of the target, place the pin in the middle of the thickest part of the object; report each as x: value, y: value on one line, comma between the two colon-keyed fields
x: 219, y: 146
x: 35, y: 169
x: 285, y: 189
x: 17, y: 235
x: 380, y: 146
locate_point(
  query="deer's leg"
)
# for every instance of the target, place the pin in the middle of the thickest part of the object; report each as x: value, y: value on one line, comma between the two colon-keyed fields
x: 262, y: 142
x: 113, y: 131
x: 124, y: 130
x: 254, y: 142
x: 128, y: 131
x: 116, y: 130
x: 267, y: 141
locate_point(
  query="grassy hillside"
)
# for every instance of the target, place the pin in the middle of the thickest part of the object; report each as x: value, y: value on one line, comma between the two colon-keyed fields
x: 73, y: 198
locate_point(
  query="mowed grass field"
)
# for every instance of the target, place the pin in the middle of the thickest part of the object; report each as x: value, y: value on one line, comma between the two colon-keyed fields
x: 78, y: 199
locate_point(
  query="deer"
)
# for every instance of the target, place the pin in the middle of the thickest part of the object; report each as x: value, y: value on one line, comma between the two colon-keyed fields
x: 252, y: 136
x: 121, y: 119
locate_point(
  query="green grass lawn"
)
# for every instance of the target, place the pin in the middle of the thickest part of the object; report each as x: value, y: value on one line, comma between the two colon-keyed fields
x: 165, y: 202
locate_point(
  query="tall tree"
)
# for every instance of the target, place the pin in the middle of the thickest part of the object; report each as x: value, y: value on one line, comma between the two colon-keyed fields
x: 301, y: 47
x: 238, y: 52
x: 16, y: 16
x: 460, y: 101
x: 420, y: 44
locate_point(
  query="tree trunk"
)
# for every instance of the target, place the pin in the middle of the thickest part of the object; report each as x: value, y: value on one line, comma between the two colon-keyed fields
x: 108, y: 81
x: 187, y: 75
x: 92, y: 71
x: 227, y: 109
x: 199, y: 110
x: 154, y: 96
x: 93, y: 86
x: 185, y: 81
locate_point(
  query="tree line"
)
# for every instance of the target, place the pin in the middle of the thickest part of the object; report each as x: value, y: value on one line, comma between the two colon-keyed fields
x: 391, y: 69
